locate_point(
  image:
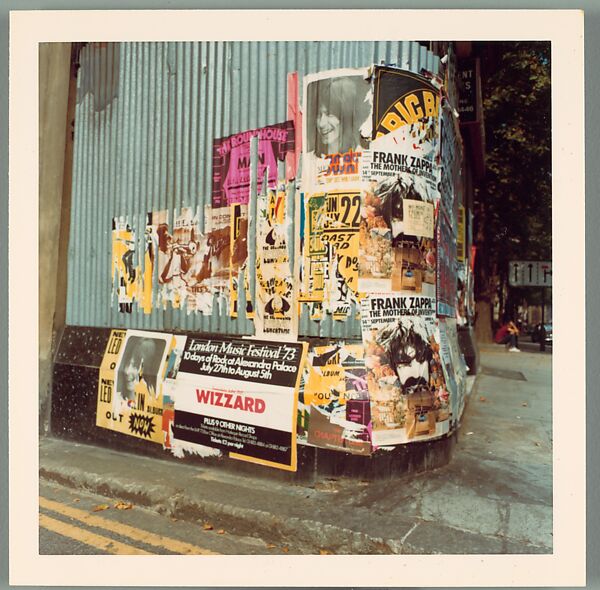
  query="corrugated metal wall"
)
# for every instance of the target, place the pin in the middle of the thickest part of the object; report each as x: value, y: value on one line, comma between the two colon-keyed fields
x: 146, y: 117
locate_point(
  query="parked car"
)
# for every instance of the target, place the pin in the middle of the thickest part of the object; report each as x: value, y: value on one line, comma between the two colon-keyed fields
x: 536, y: 333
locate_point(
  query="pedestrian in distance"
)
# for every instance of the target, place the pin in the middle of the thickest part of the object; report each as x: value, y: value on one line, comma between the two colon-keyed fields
x: 508, y: 334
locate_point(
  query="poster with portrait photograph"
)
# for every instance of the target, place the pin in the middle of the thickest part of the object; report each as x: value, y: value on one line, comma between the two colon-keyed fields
x: 409, y: 398
x: 130, y: 388
x: 336, y: 126
x: 231, y: 161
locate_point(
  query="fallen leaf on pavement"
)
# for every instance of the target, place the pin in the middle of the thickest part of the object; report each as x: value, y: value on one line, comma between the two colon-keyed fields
x: 482, y: 399
x: 324, y: 552
x: 123, y: 505
x: 468, y: 433
x: 100, y: 507
x: 173, y: 520
x: 271, y: 546
x: 524, y: 404
x: 285, y: 549
x: 537, y: 444
x: 207, y: 526
x: 220, y: 532
x: 75, y: 499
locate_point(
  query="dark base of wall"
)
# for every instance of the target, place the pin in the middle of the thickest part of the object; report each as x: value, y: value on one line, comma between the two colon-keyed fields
x: 73, y: 417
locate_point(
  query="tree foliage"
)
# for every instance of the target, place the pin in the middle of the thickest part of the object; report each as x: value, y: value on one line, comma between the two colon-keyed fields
x: 514, y: 200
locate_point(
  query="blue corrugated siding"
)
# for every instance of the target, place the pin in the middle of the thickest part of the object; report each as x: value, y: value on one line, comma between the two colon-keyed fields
x: 146, y: 117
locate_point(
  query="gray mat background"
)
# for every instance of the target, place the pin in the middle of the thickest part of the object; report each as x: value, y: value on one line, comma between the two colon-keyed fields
x: 592, y: 69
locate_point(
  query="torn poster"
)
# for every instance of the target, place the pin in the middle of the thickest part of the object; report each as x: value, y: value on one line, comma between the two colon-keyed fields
x: 125, y: 273
x: 334, y: 408
x: 340, y: 226
x: 446, y: 267
x: 336, y: 126
x: 401, y: 98
x: 183, y: 262
x: 240, y: 396
x: 130, y: 384
x: 238, y: 259
x: 276, y: 310
x: 231, y: 161
x: 177, y: 446
x: 455, y: 368
x: 409, y: 398
x: 150, y: 253
x: 315, y: 252
x: 402, y: 167
x: 330, y: 257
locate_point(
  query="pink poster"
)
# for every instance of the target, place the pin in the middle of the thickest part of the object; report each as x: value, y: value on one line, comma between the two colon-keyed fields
x: 231, y: 161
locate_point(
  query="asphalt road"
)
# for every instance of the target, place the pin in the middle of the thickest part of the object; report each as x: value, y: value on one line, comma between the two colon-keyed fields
x: 74, y: 522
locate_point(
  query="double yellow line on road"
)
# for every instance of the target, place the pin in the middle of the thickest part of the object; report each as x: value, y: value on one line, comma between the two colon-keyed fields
x: 105, y: 543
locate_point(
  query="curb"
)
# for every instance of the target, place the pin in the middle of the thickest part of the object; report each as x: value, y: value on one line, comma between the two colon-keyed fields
x: 313, y: 536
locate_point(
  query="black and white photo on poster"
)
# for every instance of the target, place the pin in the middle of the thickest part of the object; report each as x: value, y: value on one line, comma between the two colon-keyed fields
x: 336, y: 125
x: 131, y: 384
x: 409, y: 398
x: 139, y: 368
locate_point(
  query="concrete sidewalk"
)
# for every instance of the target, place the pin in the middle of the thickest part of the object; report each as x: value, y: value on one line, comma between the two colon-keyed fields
x: 494, y: 497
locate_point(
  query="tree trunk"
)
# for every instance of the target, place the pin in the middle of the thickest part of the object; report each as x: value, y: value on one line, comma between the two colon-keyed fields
x: 483, y: 324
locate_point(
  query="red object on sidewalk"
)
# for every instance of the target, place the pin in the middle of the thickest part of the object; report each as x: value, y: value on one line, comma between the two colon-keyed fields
x: 501, y: 334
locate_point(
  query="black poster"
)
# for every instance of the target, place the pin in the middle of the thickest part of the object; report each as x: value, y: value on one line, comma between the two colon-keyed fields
x: 401, y: 98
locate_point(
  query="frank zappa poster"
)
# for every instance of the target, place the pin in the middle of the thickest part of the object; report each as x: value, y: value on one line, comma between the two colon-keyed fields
x: 409, y: 397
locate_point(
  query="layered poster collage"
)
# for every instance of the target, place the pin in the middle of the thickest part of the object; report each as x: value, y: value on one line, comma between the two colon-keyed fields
x: 203, y: 396
x: 336, y: 131
x: 192, y: 257
x: 375, y: 240
x: 397, y: 261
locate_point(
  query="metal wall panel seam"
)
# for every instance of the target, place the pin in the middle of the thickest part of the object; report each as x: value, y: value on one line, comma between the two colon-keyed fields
x: 88, y: 188
x: 100, y: 241
x: 75, y: 191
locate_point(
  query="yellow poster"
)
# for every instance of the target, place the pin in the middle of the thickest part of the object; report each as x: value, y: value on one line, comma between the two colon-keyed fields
x: 239, y: 259
x: 331, y: 250
x: 130, y: 383
x: 126, y: 277
x: 335, y: 399
x: 276, y: 312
